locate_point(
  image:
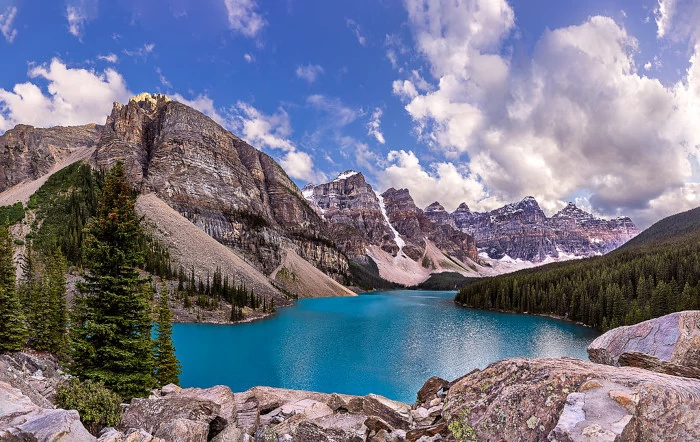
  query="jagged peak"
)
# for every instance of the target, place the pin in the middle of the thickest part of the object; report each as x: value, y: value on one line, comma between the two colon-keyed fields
x: 463, y: 207
x: 572, y: 211
x: 147, y: 97
x: 435, y: 207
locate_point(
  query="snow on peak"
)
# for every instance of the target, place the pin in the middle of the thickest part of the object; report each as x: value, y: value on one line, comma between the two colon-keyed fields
x: 345, y: 175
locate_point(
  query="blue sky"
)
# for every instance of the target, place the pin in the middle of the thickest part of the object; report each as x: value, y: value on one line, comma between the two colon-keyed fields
x: 483, y: 101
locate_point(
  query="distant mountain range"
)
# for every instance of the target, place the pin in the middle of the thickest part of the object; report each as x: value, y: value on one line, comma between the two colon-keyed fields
x: 408, y: 244
x: 243, y: 199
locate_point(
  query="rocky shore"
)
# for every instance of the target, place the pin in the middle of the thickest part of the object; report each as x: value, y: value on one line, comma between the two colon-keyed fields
x: 561, y: 399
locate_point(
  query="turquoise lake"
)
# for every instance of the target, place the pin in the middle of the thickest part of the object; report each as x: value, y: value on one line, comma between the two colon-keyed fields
x: 387, y: 343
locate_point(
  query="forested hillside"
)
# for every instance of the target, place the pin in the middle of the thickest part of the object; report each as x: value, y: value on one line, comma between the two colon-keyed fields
x: 656, y: 273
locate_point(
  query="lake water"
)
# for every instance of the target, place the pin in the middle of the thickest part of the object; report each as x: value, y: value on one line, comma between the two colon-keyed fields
x: 387, y: 343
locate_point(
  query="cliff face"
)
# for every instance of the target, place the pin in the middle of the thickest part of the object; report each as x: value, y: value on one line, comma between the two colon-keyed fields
x: 360, y: 218
x: 237, y: 194
x: 27, y: 153
x: 415, y: 225
x: 353, y: 211
x: 522, y: 231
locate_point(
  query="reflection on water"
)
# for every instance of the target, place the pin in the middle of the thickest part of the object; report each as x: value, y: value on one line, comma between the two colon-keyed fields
x: 387, y: 343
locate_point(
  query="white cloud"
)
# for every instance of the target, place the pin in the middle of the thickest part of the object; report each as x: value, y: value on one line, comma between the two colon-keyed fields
x: 647, y: 66
x: 578, y: 117
x: 248, y: 58
x: 110, y: 58
x: 76, y: 20
x: 338, y: 113
x: 374, y: 125
x: 244, y: 18
x: 7, y: 19
x: 443, y: 181
x: 664, y: 14
x: 75, y: 96
x: 309, y: 72
x: 355, y: 28
x: 141, y: 52
x: 164, y: 81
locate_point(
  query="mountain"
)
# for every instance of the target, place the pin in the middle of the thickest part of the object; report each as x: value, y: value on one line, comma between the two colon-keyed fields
x: 194, y: 178
x: 522, y: 231
x: 237, y: 194
x: 656, y: 273
x: 389, y: 232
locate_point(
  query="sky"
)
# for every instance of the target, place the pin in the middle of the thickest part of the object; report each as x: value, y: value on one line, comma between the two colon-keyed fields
x: 476, y: 101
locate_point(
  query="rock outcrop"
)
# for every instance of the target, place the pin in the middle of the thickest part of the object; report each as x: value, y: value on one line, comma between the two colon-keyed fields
x: 522, y: 231
x: 23, y: 420
x: 237, y: 194
x: 669, y: 344
x: 27, y: 152
x: 571, y: 400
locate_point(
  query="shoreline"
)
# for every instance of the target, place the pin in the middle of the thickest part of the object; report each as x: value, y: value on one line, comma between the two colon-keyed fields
x: 543, y: 315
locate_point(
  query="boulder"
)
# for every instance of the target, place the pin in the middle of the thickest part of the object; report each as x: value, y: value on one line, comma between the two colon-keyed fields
x: 430, y: 389
x: 332, y: 428
x: 397, y: 414
x: 175, y: 418
x: 22, y: 420
x: 130, y: 435
x: 533, y: 399
x: 669, y: 344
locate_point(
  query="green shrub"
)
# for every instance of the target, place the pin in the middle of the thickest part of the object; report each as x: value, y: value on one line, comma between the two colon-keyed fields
x: 19, y: 242
x: 98, y: 406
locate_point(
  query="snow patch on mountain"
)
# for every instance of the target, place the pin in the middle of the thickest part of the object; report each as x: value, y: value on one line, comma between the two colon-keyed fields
x: 399, y: 241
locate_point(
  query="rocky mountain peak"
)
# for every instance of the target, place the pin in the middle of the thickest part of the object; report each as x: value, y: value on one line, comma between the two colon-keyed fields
x: 571, y: 211
x: 435, y: 207
x: 146, y: 100
x: 462, y: 208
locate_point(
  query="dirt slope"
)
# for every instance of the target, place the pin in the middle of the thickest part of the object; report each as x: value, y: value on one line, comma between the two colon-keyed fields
x: 22, y: 191
x: 306, y: 281
x: 191, y: 247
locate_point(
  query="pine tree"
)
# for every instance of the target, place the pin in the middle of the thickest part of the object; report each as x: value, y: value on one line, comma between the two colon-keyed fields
x: 167, y: 367
x: 111, y: 326
x: 47, y: 305
x: 13, y: 330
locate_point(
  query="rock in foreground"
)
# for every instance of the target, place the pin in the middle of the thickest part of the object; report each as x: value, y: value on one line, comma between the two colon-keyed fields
x: 669, y: 344
x: 571, y: 400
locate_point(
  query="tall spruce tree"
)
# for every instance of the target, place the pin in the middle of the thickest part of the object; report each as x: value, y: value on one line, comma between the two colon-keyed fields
x: 52, y: 318
x: 111, y: 325
x: 167, y: 367
x: 13, y: 330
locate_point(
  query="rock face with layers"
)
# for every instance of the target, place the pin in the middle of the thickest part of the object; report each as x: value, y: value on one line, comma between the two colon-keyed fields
x: 415, y: 226
x: 27, y: 152
x: 237, y: 194
x: 669, y: 344
x: 522, y: 231
x: 353, y: 210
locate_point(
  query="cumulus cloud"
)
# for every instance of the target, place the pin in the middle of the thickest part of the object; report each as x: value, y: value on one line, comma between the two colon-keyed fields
x: 578, y: 117
x: 374, y: 126
x: 355, y: 29
x: 309, y: 72
x: 7, y: 18
x: 249, y: 58
x: 75, y: 96
x: 243, y: 17
x: 664, y: 14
